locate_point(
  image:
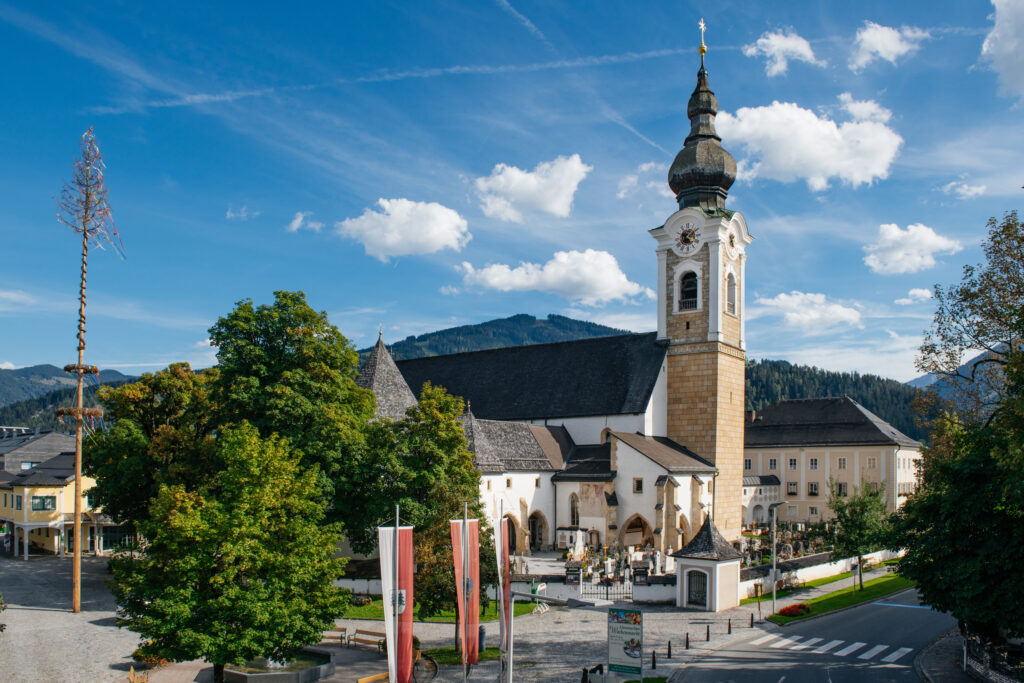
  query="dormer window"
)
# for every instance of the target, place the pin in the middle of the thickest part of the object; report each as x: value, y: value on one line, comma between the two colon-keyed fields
x: 688, y: 292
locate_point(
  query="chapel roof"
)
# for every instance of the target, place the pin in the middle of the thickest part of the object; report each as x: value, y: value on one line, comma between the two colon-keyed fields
x: 821, y: 422
x: 666, y: 452
x: 515, y: 446
x: 599, y: 376
x: 708, y: 544
x: 380, y: 375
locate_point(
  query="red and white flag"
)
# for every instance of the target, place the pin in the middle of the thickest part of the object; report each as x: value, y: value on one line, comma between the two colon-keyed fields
x: 501, y: 541
x: 466, y: 556
x: 397, y: 592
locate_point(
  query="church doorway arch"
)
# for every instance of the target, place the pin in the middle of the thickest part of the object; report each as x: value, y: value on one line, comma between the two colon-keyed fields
x: 539, y: 535
x: 758, y: 514
x: 637, y: 531
x: 512, y: 530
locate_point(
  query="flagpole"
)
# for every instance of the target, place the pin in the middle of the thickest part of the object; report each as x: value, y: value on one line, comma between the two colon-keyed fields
x: 465, y: 591
x: 394, y: 591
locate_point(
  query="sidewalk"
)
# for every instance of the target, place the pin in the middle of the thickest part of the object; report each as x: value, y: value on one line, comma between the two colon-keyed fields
x: 940, y: 661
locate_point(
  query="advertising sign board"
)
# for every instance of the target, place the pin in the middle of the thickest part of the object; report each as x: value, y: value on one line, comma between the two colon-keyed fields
x: 625, y: 641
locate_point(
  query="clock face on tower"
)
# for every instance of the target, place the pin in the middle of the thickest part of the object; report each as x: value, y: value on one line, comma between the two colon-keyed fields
x: 687, y: 239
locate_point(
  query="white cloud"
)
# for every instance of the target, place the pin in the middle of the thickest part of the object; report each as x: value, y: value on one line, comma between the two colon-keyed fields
x: 550, y: 187
x: 242, y: 214
x: 15, y: 299
x: 203, y: 344
x: 626, y: 184
x: 589, y: 277
x: 875, y: 41
x: 449, y: 290
x: 915, y: 295
x: 787, y: 143
x: 808, y: 312
x: 299, y: 222
x: 864, y: 110
x: 779, y: 48
x: 907, y: 251
x: 1004, y: 46
x: 7, y: 365
x: 962, y: 190
x: 404, y: 227
x: 629, y: 185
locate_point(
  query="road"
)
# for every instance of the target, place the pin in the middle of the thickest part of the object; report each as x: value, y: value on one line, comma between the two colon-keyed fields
x: 874, y: 642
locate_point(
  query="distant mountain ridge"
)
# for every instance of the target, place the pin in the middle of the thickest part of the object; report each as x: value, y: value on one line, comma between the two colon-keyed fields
x: 517, y: 330
x: 25, y: 383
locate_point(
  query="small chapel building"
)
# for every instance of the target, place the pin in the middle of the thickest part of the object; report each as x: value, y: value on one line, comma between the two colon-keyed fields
x: 634, y: 439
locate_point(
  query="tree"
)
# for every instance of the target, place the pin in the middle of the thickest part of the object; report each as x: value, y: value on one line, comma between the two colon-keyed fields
x: 287, y: 370
x: 162, y: 435
x: 963, y: 529
x: 861, y: 523
x: 83, y: 207
x: 978, y: 315
x: 240, y: 567
x: 423, y: 463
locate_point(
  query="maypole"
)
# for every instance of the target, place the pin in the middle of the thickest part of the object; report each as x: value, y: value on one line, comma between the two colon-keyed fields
x: 84, y: 208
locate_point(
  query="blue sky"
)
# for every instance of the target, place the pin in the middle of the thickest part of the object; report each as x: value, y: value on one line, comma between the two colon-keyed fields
x: 423, y: 165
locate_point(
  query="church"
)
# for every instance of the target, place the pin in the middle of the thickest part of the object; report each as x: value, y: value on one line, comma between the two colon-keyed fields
x: 634, y: 439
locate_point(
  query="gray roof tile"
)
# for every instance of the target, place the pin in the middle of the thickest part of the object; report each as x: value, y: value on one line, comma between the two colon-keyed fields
x: 380, y: 375
x: 708, y: 544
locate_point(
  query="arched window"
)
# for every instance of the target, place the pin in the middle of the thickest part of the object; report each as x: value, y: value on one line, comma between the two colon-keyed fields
x: 574, y: 510
x: 730, y: 294
x: 688, y: 292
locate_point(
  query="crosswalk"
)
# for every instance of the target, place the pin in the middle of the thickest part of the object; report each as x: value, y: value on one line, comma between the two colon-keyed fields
x: 838, y: 648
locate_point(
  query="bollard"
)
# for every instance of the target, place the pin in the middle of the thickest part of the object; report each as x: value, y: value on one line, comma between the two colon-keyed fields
x: 730, y: 625
x: 708, y: 636
x: 586, y: 677
x: 654, y: 660
x: 751, y: 620
x: 670, y: 649
x: 687, y: 641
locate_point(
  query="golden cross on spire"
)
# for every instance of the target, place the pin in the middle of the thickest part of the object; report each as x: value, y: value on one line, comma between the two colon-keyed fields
x: 380, y: 330
x: 703, y: 48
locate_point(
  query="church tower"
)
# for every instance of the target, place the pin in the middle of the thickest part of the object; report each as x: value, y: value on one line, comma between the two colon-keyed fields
x: 701, y: 290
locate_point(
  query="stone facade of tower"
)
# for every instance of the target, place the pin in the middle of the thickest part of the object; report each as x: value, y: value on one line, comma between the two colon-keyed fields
x: 701, y: 286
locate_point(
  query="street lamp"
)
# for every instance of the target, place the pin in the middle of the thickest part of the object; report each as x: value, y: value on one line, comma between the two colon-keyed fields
x: 771, y: 510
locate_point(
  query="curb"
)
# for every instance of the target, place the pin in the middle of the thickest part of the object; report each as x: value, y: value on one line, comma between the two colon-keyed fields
x: 844, y: 609
x: 918, y: 666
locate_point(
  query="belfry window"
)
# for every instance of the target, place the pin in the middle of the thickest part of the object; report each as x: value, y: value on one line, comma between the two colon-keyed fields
x: 688, y: 292
x: 730, y: 295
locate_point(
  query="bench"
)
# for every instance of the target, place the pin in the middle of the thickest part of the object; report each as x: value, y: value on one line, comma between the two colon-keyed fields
x: 338, y: 633
x: 365, y: 637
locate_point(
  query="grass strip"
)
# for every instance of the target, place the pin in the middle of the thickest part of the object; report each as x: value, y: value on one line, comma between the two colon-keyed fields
x: 449, y: 656
x: 375, y: 610
x: 809, y: 584
x: 875, y: 588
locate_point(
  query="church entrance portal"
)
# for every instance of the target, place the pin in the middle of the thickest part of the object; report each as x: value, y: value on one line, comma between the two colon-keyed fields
x: 637, y: 532
x: 538, y: 531
x: 513, y: 532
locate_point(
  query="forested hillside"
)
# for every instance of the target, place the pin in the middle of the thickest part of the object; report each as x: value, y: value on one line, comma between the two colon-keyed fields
x: 36, y: 380
x: 769, y: 381
x: 517, y: 330
x: 39, y: 411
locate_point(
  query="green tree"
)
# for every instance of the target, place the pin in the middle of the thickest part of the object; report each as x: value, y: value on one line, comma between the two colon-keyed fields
x: 963, y: 529
x: 240, y: 567
x: 861, y: 522
x: 162, y: 434
x: 287, y: 370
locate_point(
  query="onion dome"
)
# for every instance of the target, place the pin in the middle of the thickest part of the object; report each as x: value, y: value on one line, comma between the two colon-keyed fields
x: 703, y: 171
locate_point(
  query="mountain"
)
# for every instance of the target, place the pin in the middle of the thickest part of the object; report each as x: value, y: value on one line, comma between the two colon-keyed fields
x: 518, y: 330
x: 946, y: 387
x: 39, y: 411
x: 769, y: 381
x: 36, y: 380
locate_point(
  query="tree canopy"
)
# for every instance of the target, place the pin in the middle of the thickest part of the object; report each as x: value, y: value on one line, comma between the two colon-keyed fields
x: 861, y: 523
x: 239, y: 567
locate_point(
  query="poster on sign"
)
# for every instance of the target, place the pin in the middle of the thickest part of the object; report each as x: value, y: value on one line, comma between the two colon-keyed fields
x: 625, y: 641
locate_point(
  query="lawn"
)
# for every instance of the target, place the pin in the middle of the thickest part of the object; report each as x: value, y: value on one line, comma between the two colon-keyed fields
x: 787, y: 591
x: 375, y: 610
x: 448, y: 656
x: 875, y: 588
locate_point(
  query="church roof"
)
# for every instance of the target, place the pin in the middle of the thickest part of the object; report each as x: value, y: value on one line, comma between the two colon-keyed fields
x: 514, y: 446
x: 587, y: 463
x: 600, y: 376
x: 708, y: 544
x: 666, y: 452
x: 380, y: 375
x: 821, y: 422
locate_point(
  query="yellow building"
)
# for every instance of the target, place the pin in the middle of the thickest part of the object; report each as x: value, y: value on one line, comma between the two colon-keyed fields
x: 37, y: 509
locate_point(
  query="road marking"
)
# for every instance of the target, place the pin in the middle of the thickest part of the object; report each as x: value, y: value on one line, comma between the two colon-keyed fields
x: 764, y: 639
x: 828, y: 646
x: 873, y: 651
x: 786, y: 641
x: 894, y: 604
x: 806, y: 644
x: 850, y: 648
x: 896, y: 655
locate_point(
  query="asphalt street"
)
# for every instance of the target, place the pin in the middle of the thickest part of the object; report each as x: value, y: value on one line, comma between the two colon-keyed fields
x: 877, y: 641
